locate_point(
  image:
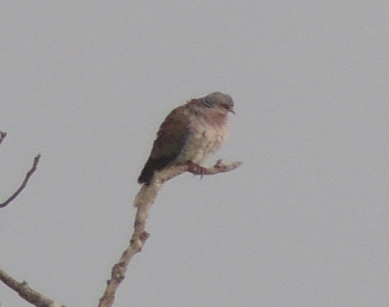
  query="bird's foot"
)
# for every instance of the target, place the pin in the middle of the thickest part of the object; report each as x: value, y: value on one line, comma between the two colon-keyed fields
x: 197, y: 169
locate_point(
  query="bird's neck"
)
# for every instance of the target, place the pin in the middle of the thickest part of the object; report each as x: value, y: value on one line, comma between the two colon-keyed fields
x: 212, y: 116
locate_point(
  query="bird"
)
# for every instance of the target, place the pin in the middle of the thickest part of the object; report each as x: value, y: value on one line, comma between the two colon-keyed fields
x: 189, y: 135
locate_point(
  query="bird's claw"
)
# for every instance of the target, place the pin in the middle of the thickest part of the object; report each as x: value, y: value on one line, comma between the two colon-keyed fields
x: 197, y: 169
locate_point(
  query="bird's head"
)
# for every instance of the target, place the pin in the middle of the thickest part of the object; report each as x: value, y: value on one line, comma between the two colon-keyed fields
x: 220, y: 102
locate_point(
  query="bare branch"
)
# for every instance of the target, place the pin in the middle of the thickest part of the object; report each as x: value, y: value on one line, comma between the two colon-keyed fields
x: 24, y: 290
x: 24, y: 183
x: 2, y: 136
x: 143, y: 201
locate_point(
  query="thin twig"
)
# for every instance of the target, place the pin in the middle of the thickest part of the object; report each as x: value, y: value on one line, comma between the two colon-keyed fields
x: 24, y: 183
x: 23, y: 289
x: 143, y: 201
x: 27, y: 293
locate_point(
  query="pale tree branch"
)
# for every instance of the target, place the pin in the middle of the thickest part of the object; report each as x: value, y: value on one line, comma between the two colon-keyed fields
x: 143, y: 201
x: 26, y: 292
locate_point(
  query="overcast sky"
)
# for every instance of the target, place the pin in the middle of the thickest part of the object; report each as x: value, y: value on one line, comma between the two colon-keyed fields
x: 304, y: 221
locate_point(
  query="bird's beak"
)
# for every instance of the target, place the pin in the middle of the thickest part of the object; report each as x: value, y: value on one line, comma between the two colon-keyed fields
x: 228, y: 108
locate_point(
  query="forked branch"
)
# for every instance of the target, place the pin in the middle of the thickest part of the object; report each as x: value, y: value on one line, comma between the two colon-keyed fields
x: 22, y: 288
x: 143, y: 200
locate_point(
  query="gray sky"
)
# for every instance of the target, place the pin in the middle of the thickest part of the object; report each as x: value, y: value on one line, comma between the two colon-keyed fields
x: 304, y: 222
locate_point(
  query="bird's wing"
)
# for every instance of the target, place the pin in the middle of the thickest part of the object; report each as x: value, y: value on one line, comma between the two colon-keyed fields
x: 168, y: 145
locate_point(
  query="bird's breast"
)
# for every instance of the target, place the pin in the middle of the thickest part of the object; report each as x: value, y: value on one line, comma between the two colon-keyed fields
x: 204, y: 139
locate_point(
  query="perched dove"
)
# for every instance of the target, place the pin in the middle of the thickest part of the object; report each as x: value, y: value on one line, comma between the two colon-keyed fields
x: 189, y: 135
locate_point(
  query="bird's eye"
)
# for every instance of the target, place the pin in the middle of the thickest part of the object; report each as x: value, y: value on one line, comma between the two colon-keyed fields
x: 207, y: 103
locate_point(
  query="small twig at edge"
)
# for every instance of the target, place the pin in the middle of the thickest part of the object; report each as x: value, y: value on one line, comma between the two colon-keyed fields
x: 24, y: 183
x: 2, y: 136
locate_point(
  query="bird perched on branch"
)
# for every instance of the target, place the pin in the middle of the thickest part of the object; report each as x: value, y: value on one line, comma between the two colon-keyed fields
x: 189, y: 135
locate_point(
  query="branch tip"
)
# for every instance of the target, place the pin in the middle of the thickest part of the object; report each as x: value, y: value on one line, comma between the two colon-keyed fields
x: 24, y: 183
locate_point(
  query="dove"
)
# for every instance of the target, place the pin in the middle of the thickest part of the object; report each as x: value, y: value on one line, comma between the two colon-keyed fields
x: 189, y: 135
